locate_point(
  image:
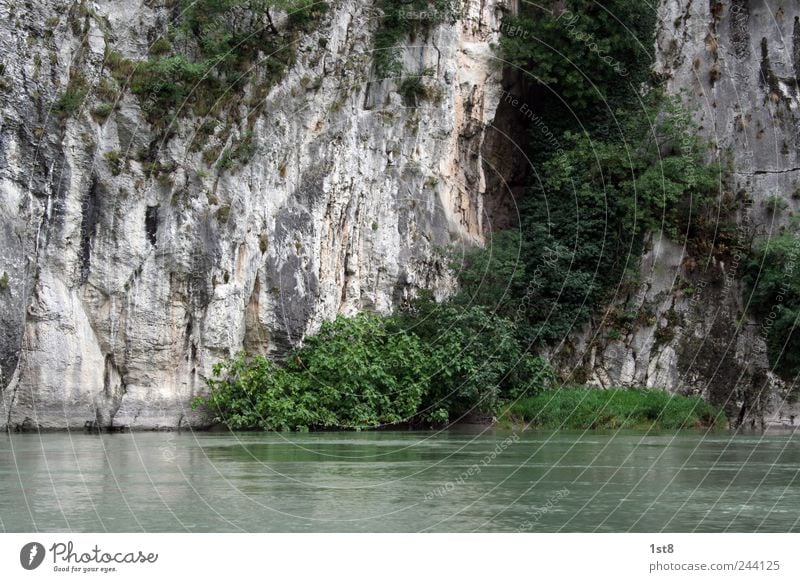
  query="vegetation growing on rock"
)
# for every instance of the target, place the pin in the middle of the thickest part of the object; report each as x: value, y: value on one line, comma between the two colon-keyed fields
x: 212, y: 50
x: 773, y: 282
x: 401, y: 18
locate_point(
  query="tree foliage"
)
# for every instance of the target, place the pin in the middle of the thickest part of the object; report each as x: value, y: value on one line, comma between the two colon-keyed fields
x: 612, y: 159
x: 428, y: 365
x: 586, y: 61
x: 773, y: 279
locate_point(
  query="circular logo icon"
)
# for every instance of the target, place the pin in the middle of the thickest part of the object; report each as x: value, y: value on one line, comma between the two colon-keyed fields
x: 31, y: 555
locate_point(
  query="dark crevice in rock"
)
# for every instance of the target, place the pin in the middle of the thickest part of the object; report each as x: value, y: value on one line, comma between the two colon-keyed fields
x: 111, y: 397
x: 506, y: 167
x: 90, y: 211
x: 256, y: 335
x: 770, y: 81
x: 764, y: 172
x: 151, y: 224
x: 796, y: 48
x: 202, y: 262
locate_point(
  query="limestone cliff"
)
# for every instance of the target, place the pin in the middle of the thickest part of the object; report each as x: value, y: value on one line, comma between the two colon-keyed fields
x: 126, y: 285
x: 126, y: 276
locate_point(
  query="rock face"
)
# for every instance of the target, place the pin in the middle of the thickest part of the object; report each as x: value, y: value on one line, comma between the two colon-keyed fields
x: 124, y: 287
x: 121, y: 287
x: 736, y: 65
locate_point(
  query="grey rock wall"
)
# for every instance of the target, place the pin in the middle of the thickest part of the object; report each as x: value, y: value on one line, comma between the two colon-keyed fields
x: 125, y: 288
x: 119, y: 289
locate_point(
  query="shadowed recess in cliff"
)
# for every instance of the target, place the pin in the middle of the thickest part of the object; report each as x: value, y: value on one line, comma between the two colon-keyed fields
x: 91, y: 213
x: 151, y: 224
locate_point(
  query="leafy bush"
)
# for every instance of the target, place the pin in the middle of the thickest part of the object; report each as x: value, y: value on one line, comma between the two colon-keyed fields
x: 102, y: 112
x: 250, y: 393
x: 166, y: 83
x: 116, y: 161
x: 412, y: 90
x: 425, y: 366
x: 773, y: 279
x: 615, y: 409
x: 354, y: 373
x: 476, y: 356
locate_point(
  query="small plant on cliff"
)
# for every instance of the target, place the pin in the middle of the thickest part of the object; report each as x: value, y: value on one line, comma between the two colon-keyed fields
x: 775, y: 204
x: 72, y: 99
x: 413, y: 90
x: 116, y: 161
x: 102, y: 112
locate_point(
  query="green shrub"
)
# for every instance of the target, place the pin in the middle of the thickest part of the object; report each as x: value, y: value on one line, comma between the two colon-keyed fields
x: 239, y: 153
x: 167, y: 82
x: 775, y: 204
x: 477, y: 358
x: 160, y: 47
x: 355, y: 373
x: 773, y: 281
x: 116, y: 161
x: 412, y: 91
x: 429, y: 365
x: 223, y: 214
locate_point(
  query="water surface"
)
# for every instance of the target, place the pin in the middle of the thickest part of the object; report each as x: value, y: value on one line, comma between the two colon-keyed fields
x: 459, y: 481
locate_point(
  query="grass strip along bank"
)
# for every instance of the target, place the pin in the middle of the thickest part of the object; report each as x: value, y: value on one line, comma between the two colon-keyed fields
x: 582, y: 408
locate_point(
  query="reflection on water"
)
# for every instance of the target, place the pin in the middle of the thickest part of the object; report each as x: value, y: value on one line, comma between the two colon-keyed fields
x: 479, y: 480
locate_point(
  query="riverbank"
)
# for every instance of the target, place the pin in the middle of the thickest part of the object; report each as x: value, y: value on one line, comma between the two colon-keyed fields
x: 575, y: 408
x: 585, y: 408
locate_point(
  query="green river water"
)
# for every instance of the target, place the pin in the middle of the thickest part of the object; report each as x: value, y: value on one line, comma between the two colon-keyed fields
x: 470, y: 480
